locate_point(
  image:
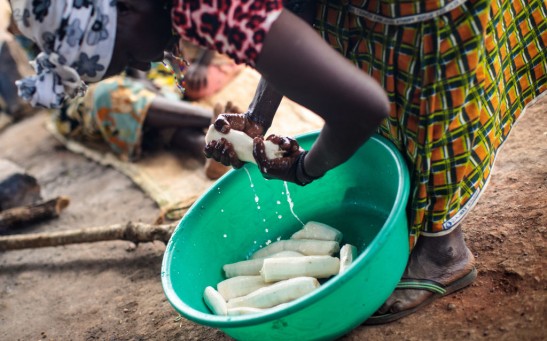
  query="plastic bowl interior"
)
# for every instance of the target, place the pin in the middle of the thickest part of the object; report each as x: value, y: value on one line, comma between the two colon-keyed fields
x: 365, y: 198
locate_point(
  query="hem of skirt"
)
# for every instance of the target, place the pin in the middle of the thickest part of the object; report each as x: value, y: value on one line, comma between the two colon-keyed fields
x: 406, y: 20
x: 453, y: 222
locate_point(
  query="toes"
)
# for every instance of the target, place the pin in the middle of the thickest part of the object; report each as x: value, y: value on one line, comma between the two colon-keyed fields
x: 386, y: 307
x: 397, y: 307
x: 403, y: 300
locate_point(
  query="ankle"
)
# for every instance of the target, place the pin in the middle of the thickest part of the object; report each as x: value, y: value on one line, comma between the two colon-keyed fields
x: 445, y: 250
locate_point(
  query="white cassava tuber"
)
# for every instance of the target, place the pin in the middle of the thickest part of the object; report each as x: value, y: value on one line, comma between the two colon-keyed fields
x: 214, y: 300
x: 308, y: 247
x: 348, y: 253
x: 319, y: 231
x: 240, y: 286
x: 243, y: 144
x: 238, y: 311
x: 278, y: 269
x: 249, y: 267
x: 277, y: 293
x: 252, y: 267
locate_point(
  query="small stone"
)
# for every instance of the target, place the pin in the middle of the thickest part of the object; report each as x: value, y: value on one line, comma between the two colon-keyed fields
x: 17, y: 188
x: 450, y: 306
x: 125, y: 310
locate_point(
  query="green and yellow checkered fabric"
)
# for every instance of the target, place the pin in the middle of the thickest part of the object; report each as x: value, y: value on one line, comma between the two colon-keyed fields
x: 457, y: 83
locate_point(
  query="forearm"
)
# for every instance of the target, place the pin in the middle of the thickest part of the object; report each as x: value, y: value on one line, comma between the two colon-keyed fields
x: 264, y: 105
x: 266, y: 100
x: 296, y: 61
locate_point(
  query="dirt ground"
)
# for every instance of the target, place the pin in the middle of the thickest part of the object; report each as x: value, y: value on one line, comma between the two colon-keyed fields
x: 112, y: 290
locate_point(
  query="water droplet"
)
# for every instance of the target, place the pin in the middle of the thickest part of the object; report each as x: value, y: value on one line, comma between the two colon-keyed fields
x: 266, y: 230
x: 279, y: 216
x: 225, y: 235
x: 278, y: 202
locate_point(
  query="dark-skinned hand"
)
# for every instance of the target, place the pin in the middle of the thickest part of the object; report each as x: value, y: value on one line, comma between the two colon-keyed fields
x: 196, y: 76
x: 283, y: 168
x: 222, y: 150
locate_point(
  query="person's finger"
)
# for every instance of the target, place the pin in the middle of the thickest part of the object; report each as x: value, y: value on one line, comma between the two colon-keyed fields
x: 222, y: 125
x: 287, y: 144
x: 259, y: 153
x: 293, y: 145
x: 204, y: 81
x: 237, y: 121
x: 226, y: 152
x: 225, y: 158
x: 201, y: 82
x: 276, y: 139
x: 234, y: 159
x: 210, y: 149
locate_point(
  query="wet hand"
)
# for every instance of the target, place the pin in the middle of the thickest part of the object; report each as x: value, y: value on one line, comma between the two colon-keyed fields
x: 240, y: 122
x: 222, y: 150
x: 282, y: 168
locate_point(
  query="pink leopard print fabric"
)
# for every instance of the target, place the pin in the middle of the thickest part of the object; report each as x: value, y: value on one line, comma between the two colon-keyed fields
x: 236, y: 28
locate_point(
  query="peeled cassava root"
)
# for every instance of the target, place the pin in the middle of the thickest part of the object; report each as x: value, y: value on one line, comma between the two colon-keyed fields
x: 319, y: 231
x: 308, y: 247
x: 281, y: 272
x: 252, y: 267
x: 277, y: 293
x: 348, y: 253
x: 243, y: 144
x: 278, y: 269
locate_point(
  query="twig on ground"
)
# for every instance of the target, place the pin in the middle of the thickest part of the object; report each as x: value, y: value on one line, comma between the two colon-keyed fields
x: 134, y: 232
x: 17, y: 216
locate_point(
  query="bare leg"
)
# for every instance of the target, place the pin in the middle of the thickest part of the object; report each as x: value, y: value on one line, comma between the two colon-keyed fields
x: 190, y: 140
x: 167, y: 113
x: 442, y: 259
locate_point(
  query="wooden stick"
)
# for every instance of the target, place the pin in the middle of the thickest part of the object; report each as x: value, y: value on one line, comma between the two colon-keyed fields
x: 26, y: 214
x: 134, y: 232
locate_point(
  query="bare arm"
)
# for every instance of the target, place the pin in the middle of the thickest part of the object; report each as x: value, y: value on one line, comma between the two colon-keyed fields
x: 266, y: 100
x: 300, y: 65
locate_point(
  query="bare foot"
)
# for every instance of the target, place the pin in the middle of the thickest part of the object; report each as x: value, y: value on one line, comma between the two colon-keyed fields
x: 441, y: 259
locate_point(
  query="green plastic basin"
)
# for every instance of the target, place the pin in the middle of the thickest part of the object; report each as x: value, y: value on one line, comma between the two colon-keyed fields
x: 365, y: 198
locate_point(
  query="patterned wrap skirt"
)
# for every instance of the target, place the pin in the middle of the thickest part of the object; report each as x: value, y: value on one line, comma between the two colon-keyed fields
x: 458, y: 75
x: 113, y: 112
